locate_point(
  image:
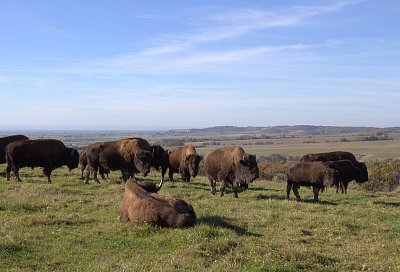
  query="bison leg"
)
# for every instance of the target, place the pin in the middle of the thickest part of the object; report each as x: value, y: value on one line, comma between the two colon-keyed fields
x: 82, y: 171
x: 87, y: 175
x: 316, y: 192
x: 8, y: 171
x: 296, y: 191
x: 163, y: 171
x: 102, y: 171
x: 96, y: 179
x: 125, y: 175
x: 171, y: 174
x: 345, y: 187
x: 213, y: 185
x: 222, y: 190
x: 235, y: 189
x: 288, y: 189
x: 47, y: 173
x: 16, y: 173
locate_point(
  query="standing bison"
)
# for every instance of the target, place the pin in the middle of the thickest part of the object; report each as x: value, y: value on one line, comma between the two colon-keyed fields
x: 347, y: 171
x: 5, y: 141
x: 47, y: 153
x: 142, y: 207
x: 128, y: 155
x: 230, y: 165
x: 316, y: 174
x: 83, y: 161
x: 345, y: 168
x: 183, y: 160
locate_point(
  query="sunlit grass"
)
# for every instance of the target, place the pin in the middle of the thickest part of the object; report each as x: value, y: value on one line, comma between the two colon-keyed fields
x: 70, y: 226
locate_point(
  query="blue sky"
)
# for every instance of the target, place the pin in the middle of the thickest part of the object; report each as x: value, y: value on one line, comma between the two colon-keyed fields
x: 186, y: 64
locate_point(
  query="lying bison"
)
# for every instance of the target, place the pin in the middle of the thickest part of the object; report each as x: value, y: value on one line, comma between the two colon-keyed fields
x: 5, y: 141
x: 141, y: 207
x: 47, y: 153
x: 337, y: 156
x: 316, y: 174
x: 183, y: 160
x: 128, y: 155
x: 230, y: 165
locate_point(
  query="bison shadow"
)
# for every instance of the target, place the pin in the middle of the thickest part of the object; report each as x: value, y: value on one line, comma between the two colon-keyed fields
x: 262, y: 189
x: 270, y: 197
x: 223, y: 222
x: 282, y: 197
x: 321, y: 202
x: 393, y: 204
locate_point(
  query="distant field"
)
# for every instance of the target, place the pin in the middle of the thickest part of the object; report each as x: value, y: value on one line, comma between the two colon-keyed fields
x: 369, y: 150
x: 69, y: 226
x: 261, y: 145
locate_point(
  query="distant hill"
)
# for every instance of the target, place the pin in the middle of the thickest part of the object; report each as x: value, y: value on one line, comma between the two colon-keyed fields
x: 294, y: 130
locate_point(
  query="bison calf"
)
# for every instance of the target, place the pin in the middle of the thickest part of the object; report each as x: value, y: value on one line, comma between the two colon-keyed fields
x: 315, y: 174
x: 141, y: 207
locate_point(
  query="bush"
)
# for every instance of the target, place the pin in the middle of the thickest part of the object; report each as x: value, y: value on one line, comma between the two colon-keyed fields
x: 268, y: 170
x: 383, y: 176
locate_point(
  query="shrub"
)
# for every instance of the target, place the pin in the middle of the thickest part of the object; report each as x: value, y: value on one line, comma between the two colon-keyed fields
x: 268, y: 170
x: 383, y: 176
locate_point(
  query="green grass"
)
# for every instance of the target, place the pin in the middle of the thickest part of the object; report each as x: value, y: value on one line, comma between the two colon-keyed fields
x: 69, y: 226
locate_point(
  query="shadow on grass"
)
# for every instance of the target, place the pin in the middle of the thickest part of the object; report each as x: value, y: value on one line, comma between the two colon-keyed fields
x: 262, y: 189
x: 270, y: 197
x: 282, y: 197
x: 393, y: 204
x: 321, y: 202
x: 223, y: 222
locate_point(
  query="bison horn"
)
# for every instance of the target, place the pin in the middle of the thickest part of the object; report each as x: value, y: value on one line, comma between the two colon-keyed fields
x: 160, y: 185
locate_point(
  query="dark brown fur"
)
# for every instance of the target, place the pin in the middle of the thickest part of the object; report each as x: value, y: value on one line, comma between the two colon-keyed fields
x: 348, y: 171
x: 183, y: 160
x: 83, y: 161
x: 315, y: 174
x: 150, y: 186
x: 141, y: 207
x: 230, y: 165
x: 5, y: 141
x: 47, y: 153
x: 128, y: 155
x: 337, y: 156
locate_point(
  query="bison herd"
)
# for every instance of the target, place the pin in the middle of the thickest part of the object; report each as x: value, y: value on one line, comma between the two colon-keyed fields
x: 231, y: 166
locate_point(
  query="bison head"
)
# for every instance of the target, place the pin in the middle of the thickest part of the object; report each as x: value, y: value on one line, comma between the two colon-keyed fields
x: 142, y: 161
x: 363, y: 176
x: 190, y: 166
x: 71, y: 158
x: 331, y: 175
x: 247, y: 170
x: 158, y: 156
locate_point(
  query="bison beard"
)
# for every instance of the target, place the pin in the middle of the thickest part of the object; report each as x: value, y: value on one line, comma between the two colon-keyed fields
x: 141, y: 207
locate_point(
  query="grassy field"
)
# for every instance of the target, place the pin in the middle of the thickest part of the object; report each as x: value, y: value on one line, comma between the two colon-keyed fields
x: 69, y: 226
